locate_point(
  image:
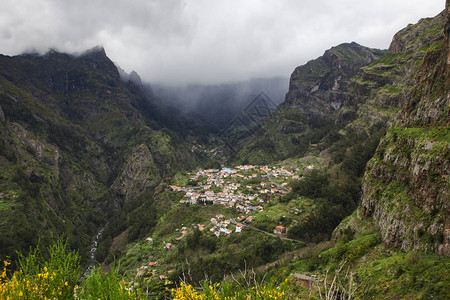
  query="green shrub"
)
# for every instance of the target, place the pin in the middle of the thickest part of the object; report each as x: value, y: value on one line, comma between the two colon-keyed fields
x: 51, y: 275
x: 102, y: 285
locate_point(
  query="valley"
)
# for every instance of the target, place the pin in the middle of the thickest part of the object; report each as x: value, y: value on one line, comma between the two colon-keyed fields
x: 113, y: 186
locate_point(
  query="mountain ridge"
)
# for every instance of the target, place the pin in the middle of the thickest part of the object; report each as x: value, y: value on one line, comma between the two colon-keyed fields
x: 69, y: 125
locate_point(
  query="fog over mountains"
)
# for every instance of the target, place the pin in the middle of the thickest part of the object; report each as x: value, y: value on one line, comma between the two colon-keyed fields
x: 218, y: 104
x: 207, y: 42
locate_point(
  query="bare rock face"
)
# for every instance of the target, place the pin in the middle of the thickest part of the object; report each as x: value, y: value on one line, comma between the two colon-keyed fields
x: 407, y: 183
x: 429, y: 104
x: 406, y: 189
x: 40, y: 149
x: 138, y: 173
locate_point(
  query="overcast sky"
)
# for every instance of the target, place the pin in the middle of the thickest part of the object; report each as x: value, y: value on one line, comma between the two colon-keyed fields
x: 205, y: 41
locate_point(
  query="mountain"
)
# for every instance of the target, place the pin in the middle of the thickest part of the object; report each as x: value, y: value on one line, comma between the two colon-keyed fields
x: 390, y: 135
x: 368, y: 140
x: 320, y: 99
x: 320, y: 88
x: 76, y: 144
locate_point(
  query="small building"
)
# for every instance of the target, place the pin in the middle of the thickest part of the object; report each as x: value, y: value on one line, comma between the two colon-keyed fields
x: 304, y: 280
x: 249, y: 219
x: 169, y: 246
x: 280, y: 230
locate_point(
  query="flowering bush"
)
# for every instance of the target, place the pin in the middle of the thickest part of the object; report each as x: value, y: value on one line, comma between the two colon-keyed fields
x: 229, y: 291
x: 57, y: 277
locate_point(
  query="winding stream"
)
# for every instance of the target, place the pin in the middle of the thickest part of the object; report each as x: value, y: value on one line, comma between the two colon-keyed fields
x: 92, y: 254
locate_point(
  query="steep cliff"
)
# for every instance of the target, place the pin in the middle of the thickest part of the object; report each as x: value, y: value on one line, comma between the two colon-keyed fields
x: 406, y: 186
x: 319, y: 101
x: 350, y: 90
x: 320, y: 87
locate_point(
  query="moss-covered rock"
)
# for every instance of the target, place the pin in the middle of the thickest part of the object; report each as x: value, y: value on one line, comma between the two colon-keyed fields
x: 406, y: 186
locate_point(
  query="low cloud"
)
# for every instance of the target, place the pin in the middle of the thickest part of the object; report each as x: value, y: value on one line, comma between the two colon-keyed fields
x: 175, y: 42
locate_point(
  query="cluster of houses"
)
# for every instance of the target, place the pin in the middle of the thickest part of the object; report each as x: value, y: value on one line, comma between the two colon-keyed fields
x: 221, y: 225
x: 153, y: 269
x: 222, y: 187
x: 245, y: 187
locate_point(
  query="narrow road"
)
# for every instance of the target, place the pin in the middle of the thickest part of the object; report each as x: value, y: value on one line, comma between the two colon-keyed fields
x: 274, y: 235
x: 278, y: 185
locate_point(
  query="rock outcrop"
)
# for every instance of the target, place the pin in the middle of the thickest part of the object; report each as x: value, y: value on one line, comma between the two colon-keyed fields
x: 320, y: 88
x: 138, y: 174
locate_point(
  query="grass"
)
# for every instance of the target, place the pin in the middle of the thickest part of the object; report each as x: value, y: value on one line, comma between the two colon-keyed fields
x: 423, y: 143
x: 380, y: 271
x: 8, y: 199
x: 180, y: 179
x: 270, y: 216
x: 413, y: 274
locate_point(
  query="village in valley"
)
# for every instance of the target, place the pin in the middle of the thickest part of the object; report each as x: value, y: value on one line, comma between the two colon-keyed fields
x: 245, y: 188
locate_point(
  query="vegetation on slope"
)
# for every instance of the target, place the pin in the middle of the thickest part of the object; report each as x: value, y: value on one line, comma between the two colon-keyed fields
x: 69, y: 138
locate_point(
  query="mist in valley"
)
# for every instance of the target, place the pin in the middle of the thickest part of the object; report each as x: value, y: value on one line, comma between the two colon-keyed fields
x: 217, y: 105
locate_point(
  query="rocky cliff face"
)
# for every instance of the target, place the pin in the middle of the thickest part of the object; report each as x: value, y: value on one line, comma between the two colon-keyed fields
x: 139, y: 173
x: 406, y: 186
x: 321, y: 87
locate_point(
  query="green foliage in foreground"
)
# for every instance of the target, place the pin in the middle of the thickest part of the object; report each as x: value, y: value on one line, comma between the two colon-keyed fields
x: 364, y: 265
x: 374, y: 270
x: 56, y: 275
x: 229, y: 291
